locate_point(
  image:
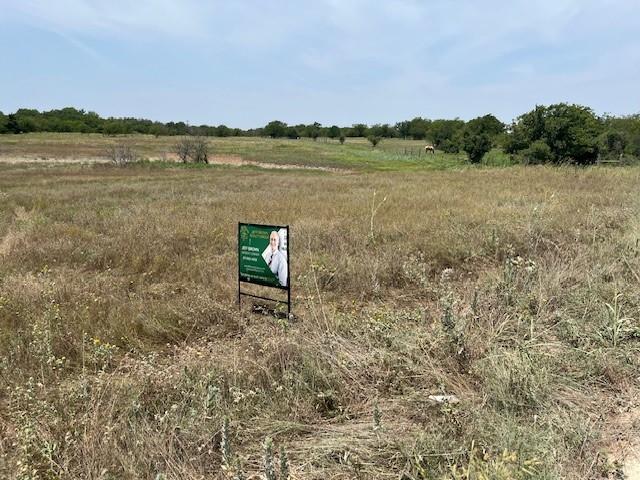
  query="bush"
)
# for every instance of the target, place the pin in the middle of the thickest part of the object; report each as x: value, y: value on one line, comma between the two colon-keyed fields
x: 374, y: 140
x: 476, y: 145
x: 538, y: 152
x: 195, y: 149
x: 121, y: 154
x: 570, y: 131
x: 450, y: 146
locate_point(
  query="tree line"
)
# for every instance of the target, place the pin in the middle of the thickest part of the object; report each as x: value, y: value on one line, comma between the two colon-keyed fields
x: 556, y: 133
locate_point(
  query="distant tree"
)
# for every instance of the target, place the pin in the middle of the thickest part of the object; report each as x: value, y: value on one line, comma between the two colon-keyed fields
x: 292, y: 133
x: 275, y: 129
x: 4, y: 121
x: 113, y: 127
x: 475, y: 145
x: 570, y: 131
x: 310, y: 131
x: 634, y: 146
x: 487, y: 124
x: 516, y: 140
x: 12, y: 124
x: 158, y: 129
x: 359, y: 130
x: 403, y: 129
x: 613, y: 143
x: 334, y: 132
x: 418, y: 128
x: 450, y: 146
x: 443, y: 130
x: 374, y: 140
x: 382, y: 130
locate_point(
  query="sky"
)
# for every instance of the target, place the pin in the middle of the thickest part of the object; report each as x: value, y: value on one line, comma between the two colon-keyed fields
x: 245, y: 63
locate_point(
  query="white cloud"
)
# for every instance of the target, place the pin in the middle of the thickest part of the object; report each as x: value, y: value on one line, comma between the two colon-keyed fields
x: 372, y: 61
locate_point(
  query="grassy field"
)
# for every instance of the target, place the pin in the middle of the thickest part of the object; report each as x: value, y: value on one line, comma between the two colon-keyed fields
x: 122, y: 349
x: 356, y: 153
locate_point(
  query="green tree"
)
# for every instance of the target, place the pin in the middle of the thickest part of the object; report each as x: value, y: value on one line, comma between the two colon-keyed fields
x: 403, y: 129
x: 418, y: 128
x: 613, y: 143
x: 223, y: 131
x: 334, y: 132
x: 634, y: 146
x: 4, y: 121
x: 570, y: 131
x: 292, y: 133
x: 359, y: 130
x: 475, y: 145
x: 442, y: 130
x: 12, y: 124
x: 487, y: 124
x: 275, y: 129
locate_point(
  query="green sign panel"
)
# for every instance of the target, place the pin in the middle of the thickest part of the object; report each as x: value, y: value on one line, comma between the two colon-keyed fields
x: 263, y: 255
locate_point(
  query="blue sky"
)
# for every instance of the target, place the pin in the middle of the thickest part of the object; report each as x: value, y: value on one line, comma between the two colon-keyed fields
x: 244, y: 63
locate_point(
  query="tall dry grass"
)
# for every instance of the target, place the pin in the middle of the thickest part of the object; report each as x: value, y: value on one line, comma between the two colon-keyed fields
x: 122, y: 350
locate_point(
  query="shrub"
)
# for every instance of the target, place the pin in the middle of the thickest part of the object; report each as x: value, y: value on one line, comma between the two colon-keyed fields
x: 476, y: 145
x: 538, y: 152
x: 570, y: 131
x: 450, y: 146
x: 121, y: 154
x: 195, y: 149
x: 374, y: 140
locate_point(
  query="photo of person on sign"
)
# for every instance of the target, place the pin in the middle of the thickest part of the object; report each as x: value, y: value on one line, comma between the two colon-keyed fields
x: 276, y: 259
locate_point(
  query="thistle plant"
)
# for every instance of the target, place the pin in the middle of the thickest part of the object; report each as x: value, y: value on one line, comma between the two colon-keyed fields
x: 284, y: 465
x: 269, y: 470
x: 225, y: 444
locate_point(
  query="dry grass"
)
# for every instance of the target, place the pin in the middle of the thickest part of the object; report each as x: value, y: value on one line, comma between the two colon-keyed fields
x: 356, y: 153
x: 122, y: 350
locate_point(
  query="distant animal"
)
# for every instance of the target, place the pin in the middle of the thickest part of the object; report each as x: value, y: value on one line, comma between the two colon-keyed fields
x: 429, y: 149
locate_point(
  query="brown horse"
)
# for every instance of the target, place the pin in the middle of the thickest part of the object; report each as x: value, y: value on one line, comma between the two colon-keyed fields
x: 429, y: 149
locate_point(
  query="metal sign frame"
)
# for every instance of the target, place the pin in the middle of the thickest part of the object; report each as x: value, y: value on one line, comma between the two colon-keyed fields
x: 287, y: 288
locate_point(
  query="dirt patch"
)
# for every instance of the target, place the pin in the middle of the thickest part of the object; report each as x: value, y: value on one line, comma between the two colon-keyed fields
x: 233, y: 160
x: 623, y: 438
x: 51, y: 160
x: 239, y: 161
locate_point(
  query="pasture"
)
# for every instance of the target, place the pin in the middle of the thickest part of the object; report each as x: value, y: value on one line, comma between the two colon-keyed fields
x: 355, y: 154
x: 122, y: 350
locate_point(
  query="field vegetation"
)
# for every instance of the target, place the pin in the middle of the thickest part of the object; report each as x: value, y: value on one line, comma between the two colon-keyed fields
x: 450, y: 321
x: 560, y: 133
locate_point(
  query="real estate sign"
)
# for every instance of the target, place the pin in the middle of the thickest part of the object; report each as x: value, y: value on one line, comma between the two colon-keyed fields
x: 263, y: 255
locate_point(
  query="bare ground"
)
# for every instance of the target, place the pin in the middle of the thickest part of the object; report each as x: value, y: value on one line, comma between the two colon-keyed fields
x: 233, y: 160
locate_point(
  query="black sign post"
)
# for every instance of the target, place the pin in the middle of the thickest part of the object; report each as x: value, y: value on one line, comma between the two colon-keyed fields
x: 263, y: 259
